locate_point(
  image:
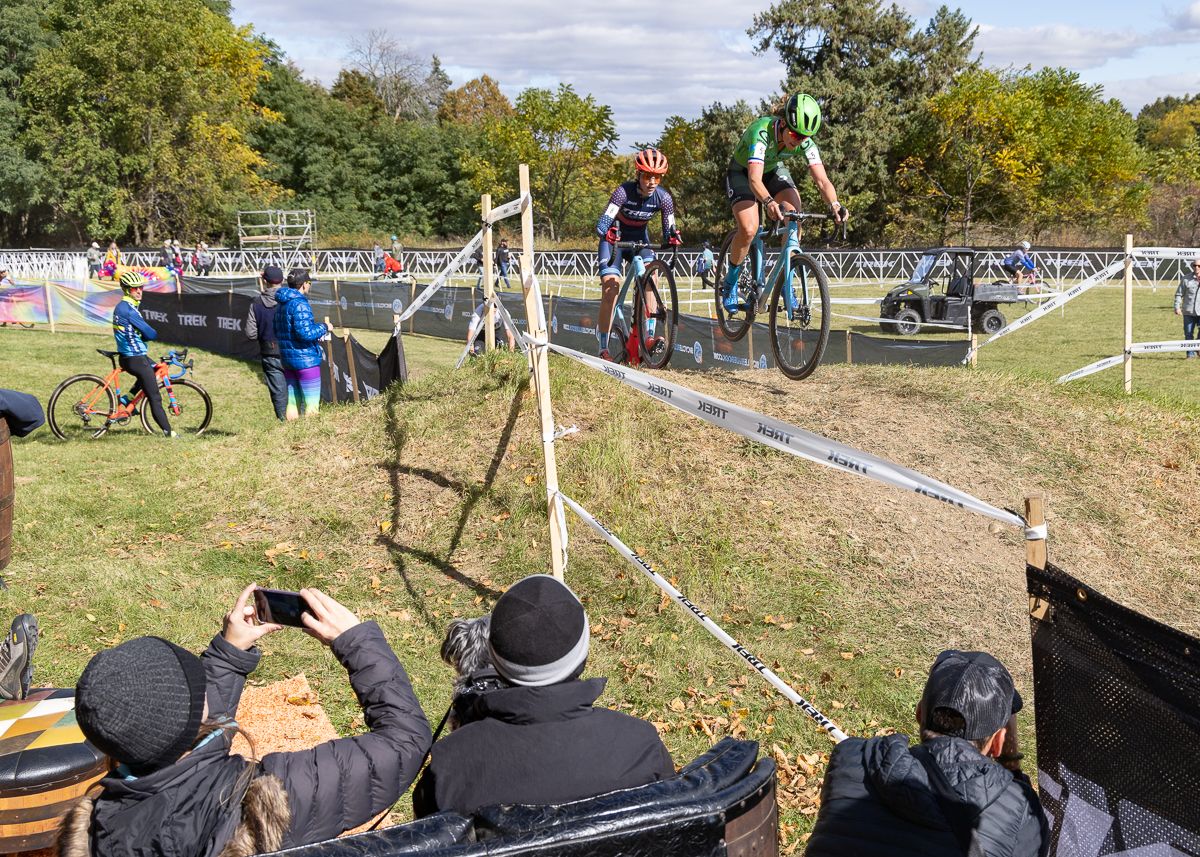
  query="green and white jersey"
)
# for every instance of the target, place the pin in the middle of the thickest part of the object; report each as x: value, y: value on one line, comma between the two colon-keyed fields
x: 758, y: 145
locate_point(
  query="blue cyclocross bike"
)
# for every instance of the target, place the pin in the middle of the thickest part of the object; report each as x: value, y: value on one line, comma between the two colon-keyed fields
x: 655, y: 313
x: 796, y: 289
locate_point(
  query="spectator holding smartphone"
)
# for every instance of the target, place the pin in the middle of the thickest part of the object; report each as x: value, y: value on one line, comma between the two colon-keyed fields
x: 166, y: 717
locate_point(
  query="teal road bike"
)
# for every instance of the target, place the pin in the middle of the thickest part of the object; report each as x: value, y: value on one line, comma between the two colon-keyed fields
x: 654, y: 299
x: 794, y: 287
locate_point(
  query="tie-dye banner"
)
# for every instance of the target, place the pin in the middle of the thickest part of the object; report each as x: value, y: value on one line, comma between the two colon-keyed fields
x: 23, y: 305
x: 87, y: 303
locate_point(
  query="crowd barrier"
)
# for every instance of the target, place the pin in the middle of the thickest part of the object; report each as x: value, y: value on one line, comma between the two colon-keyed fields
x: 881, y: 267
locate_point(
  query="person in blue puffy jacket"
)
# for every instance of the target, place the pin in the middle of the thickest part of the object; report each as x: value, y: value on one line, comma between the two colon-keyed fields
x: 299, y: 336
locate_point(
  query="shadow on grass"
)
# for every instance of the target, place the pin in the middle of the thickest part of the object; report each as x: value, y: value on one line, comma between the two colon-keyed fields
x: 470, y: 495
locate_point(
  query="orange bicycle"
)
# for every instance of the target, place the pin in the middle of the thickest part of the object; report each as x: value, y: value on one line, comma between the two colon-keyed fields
x: 88, y: 405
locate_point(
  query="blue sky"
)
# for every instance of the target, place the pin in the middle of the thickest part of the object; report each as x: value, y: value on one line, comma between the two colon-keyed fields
x: 649, y: 60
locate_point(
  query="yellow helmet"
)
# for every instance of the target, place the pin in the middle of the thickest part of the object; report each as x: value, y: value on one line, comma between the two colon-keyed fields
x: 132, y: 280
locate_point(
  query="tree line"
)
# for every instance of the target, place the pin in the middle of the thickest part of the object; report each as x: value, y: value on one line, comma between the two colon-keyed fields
x: 142, y: 119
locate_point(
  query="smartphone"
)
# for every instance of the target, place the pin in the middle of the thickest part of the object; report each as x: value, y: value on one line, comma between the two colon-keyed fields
x: 280, y: 607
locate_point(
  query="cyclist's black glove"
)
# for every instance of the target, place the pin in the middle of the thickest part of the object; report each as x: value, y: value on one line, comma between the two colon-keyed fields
x: 840, y: 214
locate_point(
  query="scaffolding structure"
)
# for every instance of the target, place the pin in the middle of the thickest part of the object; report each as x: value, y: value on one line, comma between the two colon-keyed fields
x: 277, y: 236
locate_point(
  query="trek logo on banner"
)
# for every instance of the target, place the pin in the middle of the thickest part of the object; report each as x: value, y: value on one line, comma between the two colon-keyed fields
x: 191, y: 319
x: 155, y: 315
x: 225, y: 323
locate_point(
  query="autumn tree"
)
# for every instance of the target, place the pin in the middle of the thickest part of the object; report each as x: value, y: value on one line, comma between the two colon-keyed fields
x: 871, y: 68
x: 141, y: 136
x: 409, y: 86
x: 476, y: 101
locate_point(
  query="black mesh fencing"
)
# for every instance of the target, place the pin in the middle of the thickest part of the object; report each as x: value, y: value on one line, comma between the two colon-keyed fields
x: 1117, y: 700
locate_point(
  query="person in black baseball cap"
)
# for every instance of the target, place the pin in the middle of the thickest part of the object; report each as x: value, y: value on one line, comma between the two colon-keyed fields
x: 539, y: 739
x: 960, y: 791
x: 167, y: 719
x: 260, y: 327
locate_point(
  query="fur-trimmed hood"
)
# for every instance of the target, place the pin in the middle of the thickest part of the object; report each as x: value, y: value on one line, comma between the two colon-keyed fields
x: 261, y: 827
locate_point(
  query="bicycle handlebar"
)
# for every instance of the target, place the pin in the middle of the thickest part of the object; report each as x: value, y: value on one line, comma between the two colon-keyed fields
x: 644, y: 245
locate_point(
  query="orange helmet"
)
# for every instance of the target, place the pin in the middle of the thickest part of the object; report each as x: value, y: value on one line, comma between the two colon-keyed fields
x: 651, y: 161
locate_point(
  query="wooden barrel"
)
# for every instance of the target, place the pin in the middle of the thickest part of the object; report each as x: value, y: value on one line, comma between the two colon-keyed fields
x: 46, y: 766
x: 6, y: 494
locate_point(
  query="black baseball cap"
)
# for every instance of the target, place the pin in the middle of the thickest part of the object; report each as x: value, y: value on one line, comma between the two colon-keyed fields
x: 975, y: 686
x: 273, y: 274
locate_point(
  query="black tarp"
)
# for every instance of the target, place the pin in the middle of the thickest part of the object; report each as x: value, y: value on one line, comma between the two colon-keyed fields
x: 1117, y: 698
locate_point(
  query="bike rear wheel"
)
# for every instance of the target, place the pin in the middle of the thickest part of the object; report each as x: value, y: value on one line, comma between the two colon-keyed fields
x: 734, y: 326
x: 660, y: 282
x: 798, y: 337
x: 80, y: 407
x: 191, y: 414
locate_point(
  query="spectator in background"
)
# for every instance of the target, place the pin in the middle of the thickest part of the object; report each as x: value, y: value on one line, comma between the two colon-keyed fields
x: 539, y: 739
x: 477, y: 258
x: 167, y: 255
x: 502, y: 255
x: 1019, y: 264
x: 177, y: 256
x: 167, y: 718
x: 112, y: 261
x: 478, y: 317
x: 377, y: 257
x: 94, y: 258
x: 397, y: 249
x: 959, y: 792
x: 6, y: 282
x: 204, y: 260
x: 1187, y: 303
x: 704, y: 265
x: 260, y: 326
x: 299, y: 336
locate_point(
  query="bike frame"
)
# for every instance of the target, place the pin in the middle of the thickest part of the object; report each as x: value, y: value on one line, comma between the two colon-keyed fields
x: 782, y: 268
x: 635, y: 272
x: 162, y: 372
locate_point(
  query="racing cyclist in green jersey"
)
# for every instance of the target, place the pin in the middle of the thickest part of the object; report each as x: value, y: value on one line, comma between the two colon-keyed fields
x: 757, y: 174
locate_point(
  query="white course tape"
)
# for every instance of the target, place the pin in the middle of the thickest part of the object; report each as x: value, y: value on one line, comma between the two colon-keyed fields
x: 1167, y: 252
x: 1091, y: 369
x: 1173, y: 345
x: 893, y: 321
x: 789, y: 438
x: 1037, y: 533
x: 860, y: 301
x: 709, y: 625
x: 1049, y: 306
x: 1135, y: 348
x: 506, y: 210
x: 440, y: 280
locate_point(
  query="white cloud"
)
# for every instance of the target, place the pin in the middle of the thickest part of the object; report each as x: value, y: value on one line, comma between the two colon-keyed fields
x: 1076, y: 48
x: 1187, y: 18
x: 647, y: 61
x: 1135, y: 93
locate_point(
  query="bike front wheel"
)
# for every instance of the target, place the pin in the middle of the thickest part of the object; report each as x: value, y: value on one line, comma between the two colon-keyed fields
x: 190, y: 415
x: 734, y: 325
x: 658, y: 283
x: 800, y: 318
x: 80, y: 407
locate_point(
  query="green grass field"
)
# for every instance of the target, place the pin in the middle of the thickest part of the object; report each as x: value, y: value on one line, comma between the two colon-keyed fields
x: 425, y: 503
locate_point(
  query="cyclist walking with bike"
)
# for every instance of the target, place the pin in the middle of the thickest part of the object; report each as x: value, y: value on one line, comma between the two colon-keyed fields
x: 131, y: 332
x: 757, y: 175
x: 627, y: 218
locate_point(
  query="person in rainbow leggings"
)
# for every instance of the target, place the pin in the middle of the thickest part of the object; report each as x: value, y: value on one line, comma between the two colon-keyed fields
x: 299, y: 336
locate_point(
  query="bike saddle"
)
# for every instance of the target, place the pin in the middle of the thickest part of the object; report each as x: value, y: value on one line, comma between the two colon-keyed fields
x: 108, y: 354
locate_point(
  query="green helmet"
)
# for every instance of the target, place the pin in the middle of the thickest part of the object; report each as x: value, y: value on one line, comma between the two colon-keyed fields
x: 803, y: 114
x: 132, y: 280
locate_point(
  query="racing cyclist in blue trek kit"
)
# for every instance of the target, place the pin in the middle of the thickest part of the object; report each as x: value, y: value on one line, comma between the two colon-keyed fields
x: 757, y: 174
x: 627, y: 218
x: 130, y: 331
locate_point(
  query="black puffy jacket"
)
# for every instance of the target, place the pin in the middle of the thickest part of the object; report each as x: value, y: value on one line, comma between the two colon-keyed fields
x: 190, y: 808
x: 539, y: 745
x: 877, y: 802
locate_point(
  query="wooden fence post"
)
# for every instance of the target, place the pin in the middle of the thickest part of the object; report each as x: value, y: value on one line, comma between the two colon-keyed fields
x: 337, y: 304
x: 412, y: 296
x: 329, y: 360
x: 1035, y: 516
x: 849, y: 347
x: 489, y: 317
x: 1128, y: 313
x: 350, y: 363
x: 974, y: 352
x: 540, y: 372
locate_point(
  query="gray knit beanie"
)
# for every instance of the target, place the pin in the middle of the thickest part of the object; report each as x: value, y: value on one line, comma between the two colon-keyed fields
x: 539, y: 633
x: 141, y: 702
